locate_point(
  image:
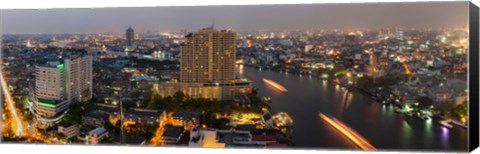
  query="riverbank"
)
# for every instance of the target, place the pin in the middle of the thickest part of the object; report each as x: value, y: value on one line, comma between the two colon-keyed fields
x: 385, y: 129
x: 453, y: 121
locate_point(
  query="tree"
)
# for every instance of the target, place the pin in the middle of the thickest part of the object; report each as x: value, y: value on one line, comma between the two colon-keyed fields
x: 179, y: 97
x: 460, y: 112
x: 445, y: 108
x: 150, y: 132
x: 424, y: 103
x: 74, y: 113
x: 221, y: 123
x: 365, y: 83
x: 153, y: 103
x: 385, y: 81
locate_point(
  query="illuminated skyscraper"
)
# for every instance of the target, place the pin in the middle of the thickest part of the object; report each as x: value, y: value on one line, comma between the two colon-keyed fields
x: 207, y: 67
x: 59, y: 84
x: 208, y: 56
x: 130, y: 35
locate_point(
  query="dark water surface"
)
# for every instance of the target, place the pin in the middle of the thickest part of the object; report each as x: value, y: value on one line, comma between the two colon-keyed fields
x: 378, y: 123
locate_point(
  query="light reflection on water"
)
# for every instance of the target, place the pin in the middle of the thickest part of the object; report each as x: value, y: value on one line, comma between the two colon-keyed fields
x: 376, y: 122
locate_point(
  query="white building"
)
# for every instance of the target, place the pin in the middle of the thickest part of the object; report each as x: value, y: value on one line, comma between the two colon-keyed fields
x: 59, y: 84
x: 308, y: 48
x: 204, y: 138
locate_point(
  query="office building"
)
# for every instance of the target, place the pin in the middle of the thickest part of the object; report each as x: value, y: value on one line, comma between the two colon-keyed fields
x: 130, y: 36
x: 59, y: 84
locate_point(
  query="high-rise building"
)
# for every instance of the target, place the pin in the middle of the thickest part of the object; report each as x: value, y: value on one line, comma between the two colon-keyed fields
x: 207, y: 67
x: 59, y: 84
x: 208, y: 56
x: 130, y: 35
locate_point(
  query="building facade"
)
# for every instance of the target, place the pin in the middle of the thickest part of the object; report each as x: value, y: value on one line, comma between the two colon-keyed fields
x: 130, y: 35
x: 59, y: 84
x: 97, y: 135
x: 69, y: 129
x: 207, y: 67
x: 208, y: 56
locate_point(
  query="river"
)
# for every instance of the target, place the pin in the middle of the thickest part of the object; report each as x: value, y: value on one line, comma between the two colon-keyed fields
x: 379, y: 124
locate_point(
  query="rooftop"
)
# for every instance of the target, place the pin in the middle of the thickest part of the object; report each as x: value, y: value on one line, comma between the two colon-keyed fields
x: 228, y: 137
x: 187, y: 114
x: 96, y: 115
x: 98, y: 131
x: 173, y: 131
x: 267, y: 116
x: 104, y: 108
x: 264, y: 138
x: 144, y: 112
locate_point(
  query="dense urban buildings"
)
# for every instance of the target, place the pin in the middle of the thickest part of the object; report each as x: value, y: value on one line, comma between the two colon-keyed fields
x: 368, y: 88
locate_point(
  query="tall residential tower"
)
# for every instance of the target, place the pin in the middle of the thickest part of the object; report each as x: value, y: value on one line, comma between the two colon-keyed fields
x: 208, y: 56
x: 207, y: 67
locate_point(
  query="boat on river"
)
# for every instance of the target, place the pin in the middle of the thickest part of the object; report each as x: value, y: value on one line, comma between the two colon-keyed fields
x: 275, y: 85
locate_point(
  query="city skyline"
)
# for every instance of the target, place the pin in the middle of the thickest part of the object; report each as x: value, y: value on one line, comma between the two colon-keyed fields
x: 391, y: 76
x: 240, y: 18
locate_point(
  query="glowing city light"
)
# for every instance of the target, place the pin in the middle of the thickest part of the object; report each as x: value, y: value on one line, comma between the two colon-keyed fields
x: 349, y: 133
x: 275, y: 85
x: 11, y: 107
x: 407, y: 69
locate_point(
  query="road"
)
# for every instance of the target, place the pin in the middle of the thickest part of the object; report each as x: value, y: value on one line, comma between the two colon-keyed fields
x: 18, y: 123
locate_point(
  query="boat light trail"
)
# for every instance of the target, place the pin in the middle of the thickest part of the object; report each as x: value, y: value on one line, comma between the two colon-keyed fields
x: 348, y: 132
x: 275, y: 85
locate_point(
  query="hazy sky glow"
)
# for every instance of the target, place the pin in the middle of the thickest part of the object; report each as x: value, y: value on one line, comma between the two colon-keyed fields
x: 239, y: 18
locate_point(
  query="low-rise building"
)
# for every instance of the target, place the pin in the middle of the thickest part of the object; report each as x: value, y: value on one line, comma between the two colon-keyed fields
x: 97, y: 135
x: 69, y: 129
x: 267, y: 119
x: 98, y: 114
x: 440, y: 95
x: 121, y: 85
x: 145, y: 116
x: 188, y: 119
x: 242, y: 100
x: 95, y: 119
x: 240, y: 138
x: 204, y: 138
x: 173, y: 134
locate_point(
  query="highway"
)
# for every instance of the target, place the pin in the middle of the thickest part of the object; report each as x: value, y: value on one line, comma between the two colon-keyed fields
x: 17, y: 125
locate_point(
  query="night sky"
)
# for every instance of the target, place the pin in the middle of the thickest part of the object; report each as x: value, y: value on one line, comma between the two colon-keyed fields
x: 239, y: 18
